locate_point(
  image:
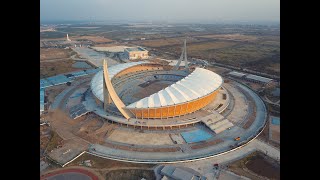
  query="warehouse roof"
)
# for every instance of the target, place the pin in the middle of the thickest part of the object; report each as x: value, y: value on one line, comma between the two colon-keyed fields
x: 97, y: 80
x: 258, y: 78
x: 199, y: 83
x: 236, y: 74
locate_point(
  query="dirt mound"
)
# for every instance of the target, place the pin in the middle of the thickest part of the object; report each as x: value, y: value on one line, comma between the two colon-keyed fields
x: 58, y: 115
x: 264, y: 166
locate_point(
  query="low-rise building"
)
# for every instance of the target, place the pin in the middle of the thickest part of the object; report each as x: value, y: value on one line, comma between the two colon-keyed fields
x: 136, y: 53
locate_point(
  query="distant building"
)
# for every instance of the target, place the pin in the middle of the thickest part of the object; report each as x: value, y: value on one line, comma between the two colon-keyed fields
x: 136, y: 53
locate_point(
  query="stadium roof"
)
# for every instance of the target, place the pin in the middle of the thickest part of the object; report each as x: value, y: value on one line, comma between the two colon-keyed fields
x: 258, y: 78
x: 97, y: 80
x: 199, y: 83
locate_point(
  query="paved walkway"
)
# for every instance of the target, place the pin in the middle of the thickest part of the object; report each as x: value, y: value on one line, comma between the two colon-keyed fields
x: 93, y: 56
x: 269, y: 101
x: 193, y: 154
x: 61, y: 99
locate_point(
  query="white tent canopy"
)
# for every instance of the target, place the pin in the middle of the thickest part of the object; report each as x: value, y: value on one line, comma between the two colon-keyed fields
x: 97, y: 80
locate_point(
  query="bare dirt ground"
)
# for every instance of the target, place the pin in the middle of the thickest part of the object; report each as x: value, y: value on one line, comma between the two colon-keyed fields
x: 256, y: 166
x: 45, y: 135
x: 218, y: 70
x: 104, y: 166
x: 110, y: 48
x: 95, y: 39
x: 56, y: 61
x: 264, y: 166
x: 274, y: 67
x: 140, y: 138
x: 52, y: 68
x: 87, y: 128
x: 62, y: 123
x: 264, y: 136
x: 275, y: 136
x: 233, y: 37
x: 251, y: 117
x: 84, y: 170
x: 54, y: 142
x: 92, y: 129
x: 108, y: 44
x: 275, y: 133
x: 49, y: 54
x: 195, y: 48
x: 254, y: 86
x: 253, y: 52
x: 162, y: 42
x: 141, y: 149
x: 206, y: 144
x: 53, y: 91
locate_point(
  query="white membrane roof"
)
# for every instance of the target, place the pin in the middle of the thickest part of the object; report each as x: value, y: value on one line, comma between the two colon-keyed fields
x: 199, y: 83
x: 97, y: 80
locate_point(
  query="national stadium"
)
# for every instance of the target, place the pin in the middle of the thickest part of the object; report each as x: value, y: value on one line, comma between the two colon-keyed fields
x: 159, y: 96
x: 140, y: 110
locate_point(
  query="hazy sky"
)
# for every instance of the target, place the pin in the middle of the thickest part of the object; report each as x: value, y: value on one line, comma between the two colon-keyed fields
x: 164, y: 10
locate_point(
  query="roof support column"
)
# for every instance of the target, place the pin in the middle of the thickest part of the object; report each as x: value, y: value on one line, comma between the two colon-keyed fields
x: 115, y: 98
